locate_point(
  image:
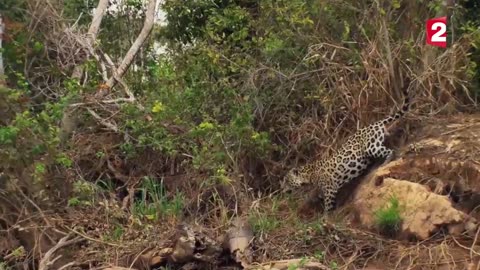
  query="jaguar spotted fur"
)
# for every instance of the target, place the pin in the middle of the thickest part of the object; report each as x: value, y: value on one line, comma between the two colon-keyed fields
x: 348, y: 162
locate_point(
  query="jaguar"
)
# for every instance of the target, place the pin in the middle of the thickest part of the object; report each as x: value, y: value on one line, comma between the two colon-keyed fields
x: 349, y: 161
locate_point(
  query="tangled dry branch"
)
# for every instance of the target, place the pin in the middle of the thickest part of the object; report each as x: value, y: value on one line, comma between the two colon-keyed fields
x: 47, y: 259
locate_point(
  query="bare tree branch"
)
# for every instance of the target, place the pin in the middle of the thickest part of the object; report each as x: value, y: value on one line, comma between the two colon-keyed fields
x: 132, y: 52
x: 69, y: 121
x: 102, y: 121
x: 47, y: 259
x: 92, y: 32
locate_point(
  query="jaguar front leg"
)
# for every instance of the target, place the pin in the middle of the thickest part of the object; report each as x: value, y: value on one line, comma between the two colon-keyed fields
x: 329, y: 200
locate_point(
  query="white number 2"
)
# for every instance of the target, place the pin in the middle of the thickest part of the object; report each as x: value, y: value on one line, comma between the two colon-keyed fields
x: 437, y: 36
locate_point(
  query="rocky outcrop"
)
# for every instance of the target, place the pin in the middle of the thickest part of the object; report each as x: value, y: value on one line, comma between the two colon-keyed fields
x: 422, y: 212
x: 436, y: 182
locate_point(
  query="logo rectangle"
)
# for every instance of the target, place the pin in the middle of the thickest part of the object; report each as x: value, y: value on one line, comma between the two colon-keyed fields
x: 436, y: 29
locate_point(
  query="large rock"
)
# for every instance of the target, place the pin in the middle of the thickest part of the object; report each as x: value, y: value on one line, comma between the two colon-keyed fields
x: 423, y: 212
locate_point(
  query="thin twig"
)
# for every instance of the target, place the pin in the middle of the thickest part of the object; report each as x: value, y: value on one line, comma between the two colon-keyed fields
x: 93, y: 239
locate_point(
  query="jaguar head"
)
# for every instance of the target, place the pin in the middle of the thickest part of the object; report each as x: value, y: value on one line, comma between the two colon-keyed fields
x: 291, y: 180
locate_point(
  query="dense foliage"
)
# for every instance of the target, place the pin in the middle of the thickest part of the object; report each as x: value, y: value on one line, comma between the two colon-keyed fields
x: 243, y: 89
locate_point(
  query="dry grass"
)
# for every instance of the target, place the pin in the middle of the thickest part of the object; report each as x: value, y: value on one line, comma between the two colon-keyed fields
x: 346, y: 94
x: 325, y: 239
x: 355, y: 101
x: 334, y: 242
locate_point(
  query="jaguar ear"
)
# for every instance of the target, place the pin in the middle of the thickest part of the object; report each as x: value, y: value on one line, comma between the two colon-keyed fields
x: 294, y: 171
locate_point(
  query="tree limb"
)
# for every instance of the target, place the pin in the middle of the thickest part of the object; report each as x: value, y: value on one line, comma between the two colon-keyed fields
x: 102, y: 121
x: 132, y: 52
x: 47, y: 260
x: 117, y: 72
x: 92, y: 32
x: 69, y: 121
